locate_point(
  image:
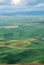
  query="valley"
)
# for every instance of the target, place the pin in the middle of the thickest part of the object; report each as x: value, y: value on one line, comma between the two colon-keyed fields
x: 21, y: 41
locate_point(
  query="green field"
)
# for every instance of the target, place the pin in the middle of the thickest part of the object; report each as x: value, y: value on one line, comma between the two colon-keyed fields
x: 21, y: 40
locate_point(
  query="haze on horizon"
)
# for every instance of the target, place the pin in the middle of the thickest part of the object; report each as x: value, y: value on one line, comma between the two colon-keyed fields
x: 22, y: 7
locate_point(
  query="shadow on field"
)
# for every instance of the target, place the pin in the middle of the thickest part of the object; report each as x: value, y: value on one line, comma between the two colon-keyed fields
x: 12, y: 58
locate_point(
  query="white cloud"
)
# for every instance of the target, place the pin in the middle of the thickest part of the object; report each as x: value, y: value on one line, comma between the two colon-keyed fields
x: 40, y: 5
x: 1, y: 1
x: 16, y: 2
x: 20, y: 9
x: 23, y: 6
x: 22, y: 2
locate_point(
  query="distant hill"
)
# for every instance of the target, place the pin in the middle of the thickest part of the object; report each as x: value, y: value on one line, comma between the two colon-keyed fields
x: 7, y: 13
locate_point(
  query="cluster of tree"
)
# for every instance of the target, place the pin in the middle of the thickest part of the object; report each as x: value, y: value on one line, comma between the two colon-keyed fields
x: 8, y: 35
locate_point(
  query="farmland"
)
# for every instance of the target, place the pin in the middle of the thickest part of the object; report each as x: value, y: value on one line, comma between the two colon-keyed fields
x: 21, y: 40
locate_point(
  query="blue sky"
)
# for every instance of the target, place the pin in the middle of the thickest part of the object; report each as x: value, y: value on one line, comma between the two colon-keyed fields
x: 33, y: 7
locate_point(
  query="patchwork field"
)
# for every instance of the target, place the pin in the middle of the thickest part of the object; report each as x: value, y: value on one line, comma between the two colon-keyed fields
x: 22, y: 42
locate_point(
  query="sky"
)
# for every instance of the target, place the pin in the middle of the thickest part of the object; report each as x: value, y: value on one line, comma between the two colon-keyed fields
x: 22, y: 7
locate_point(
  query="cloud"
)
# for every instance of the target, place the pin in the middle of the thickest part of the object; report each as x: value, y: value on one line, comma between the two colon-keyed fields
x: 40, y: 5
x: 25, y: 5
x: 1, y: 1
x: 24, y: 2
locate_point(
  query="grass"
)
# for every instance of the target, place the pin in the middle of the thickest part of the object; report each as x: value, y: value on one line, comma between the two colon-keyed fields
x: 14, y: 56
x: 24, y: 44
